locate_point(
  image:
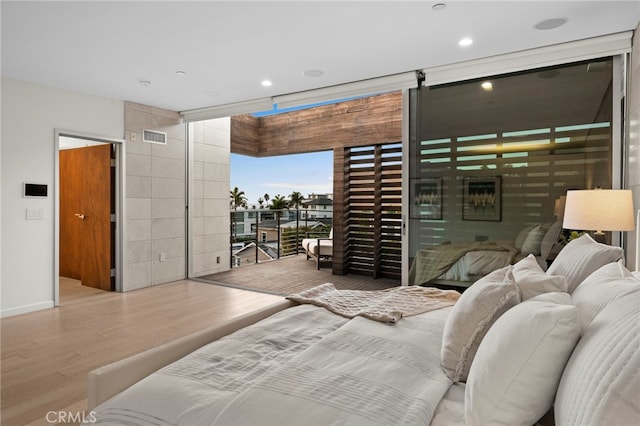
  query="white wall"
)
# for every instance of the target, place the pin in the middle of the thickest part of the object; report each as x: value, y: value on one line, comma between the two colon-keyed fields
x: 209, y: 204
x: 30, y: 115
x: 634, y: 143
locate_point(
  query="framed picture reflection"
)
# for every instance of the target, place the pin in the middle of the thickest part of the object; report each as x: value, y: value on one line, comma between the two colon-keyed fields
x: 426, y: 198
x: 482, y: 198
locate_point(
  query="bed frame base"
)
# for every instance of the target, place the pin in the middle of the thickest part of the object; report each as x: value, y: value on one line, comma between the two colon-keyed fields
x: 107, y: 381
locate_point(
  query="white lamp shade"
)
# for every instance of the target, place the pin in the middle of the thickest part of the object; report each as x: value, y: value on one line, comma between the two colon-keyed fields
x: 599, y: 210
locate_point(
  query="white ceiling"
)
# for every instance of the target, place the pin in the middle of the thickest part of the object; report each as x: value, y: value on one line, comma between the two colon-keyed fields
x: 226, y: 48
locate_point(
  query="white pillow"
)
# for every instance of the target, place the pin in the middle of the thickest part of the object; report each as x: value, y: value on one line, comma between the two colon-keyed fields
x: 522, y: 235
x: 609, y: 271
x: 532, y: 280
x: 608, y: 283
x: 471, y: 317
x: 581, y: 257
x: 517, y: 368
x: 600, y: 384
x: 533, y: 241
x: 549, y: 240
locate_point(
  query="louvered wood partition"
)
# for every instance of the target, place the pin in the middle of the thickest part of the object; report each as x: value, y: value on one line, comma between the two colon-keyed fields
x: 371, y: 223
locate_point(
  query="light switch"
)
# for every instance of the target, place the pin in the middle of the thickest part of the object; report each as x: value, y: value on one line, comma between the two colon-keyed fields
x: 35, y: 214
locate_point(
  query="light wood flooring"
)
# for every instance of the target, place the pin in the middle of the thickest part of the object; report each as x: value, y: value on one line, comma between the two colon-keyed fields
x: 293, y: 274
x: 46, y: 355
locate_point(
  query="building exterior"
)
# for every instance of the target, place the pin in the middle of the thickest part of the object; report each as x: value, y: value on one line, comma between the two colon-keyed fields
x: 247, y: 254
x: 318, y: 206
x: 245, y: 221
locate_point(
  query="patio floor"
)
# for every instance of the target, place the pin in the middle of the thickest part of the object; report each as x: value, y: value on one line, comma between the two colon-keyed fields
x: 293, y: 274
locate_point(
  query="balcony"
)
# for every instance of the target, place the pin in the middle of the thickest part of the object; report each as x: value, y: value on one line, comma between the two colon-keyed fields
x: 259, y: 235
x: 269, y: 258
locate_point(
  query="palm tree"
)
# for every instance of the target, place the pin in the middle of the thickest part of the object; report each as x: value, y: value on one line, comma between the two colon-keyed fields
x: 295, y: 199
x: 266, y: 198
x: 279, y: 203
x: 261, y: 202
x: 237, y: 200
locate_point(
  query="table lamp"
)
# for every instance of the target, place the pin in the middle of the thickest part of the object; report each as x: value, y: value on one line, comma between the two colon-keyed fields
x: 599, y: 210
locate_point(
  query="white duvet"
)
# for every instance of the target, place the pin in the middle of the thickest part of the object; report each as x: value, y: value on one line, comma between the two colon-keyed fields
x: 302, y: 366
x: 475, y: 264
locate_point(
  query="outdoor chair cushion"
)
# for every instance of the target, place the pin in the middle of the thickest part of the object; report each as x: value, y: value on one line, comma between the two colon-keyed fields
x: 326, y: 247
x: 310, y: 245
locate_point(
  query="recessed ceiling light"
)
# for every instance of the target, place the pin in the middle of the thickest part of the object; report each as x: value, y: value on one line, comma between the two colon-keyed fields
x: 313, y: 73
x: 266, y: 83
x: 439, y: 6
x: 487, y: 85
x: 550, y: 24
x: 144, y: 82
x: 180, y: 73
x: 465, y: 42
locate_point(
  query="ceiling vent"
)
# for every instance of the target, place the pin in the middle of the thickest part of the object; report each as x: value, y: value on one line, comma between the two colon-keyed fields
x: 152, y: 136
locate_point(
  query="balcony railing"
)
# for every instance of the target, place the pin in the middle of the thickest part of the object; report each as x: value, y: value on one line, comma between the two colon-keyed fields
x: 260, y: 235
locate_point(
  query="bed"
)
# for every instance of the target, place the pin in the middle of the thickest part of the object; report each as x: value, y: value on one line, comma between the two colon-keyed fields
x: 461, y: 264
x: 413, y: 356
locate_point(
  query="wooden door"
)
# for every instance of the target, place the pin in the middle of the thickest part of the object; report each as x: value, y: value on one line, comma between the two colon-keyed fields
x: 87, y: 237
x: 70, y: 226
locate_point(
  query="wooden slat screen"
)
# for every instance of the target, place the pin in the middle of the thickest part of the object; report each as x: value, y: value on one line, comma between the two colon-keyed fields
x: 373, y: 200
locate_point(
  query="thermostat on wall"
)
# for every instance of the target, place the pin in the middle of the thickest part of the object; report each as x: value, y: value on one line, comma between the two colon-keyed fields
x: 34, y: 190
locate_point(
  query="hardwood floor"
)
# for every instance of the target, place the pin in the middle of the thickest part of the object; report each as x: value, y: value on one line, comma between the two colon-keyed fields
x: 46, y: 355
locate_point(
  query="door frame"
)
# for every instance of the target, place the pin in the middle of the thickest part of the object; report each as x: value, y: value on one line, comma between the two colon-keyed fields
x: 119, y: 207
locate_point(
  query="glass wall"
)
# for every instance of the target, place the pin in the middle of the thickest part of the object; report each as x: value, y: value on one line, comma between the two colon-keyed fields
x: 489, y: 157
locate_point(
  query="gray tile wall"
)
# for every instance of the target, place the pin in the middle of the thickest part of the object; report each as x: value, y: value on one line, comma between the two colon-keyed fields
x: 155, y: 198
x: 209, y: 206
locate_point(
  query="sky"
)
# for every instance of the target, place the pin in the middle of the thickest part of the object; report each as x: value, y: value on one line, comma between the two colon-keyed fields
x: 305, y: 173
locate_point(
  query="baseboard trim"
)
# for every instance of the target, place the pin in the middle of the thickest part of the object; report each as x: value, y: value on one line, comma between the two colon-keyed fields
x: 26, y: 309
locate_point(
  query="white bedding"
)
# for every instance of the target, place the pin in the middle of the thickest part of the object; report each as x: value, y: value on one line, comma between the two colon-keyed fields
x: 194, y: 389
x: 365, y: 373
x: 303, y: 365
x: 476, y: 264
x: 465, y: 262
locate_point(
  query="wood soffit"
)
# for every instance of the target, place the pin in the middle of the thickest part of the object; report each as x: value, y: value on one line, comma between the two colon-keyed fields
x: 358, y: 122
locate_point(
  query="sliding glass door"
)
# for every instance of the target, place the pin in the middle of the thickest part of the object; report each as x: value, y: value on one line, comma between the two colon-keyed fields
x: 490, y: 157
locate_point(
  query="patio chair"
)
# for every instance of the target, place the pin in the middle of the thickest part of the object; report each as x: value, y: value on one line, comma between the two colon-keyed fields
x: 319, y: 248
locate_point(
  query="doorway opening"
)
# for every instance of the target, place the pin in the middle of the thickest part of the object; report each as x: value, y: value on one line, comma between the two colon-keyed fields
x: 269, y: 227
x: 88, y: 203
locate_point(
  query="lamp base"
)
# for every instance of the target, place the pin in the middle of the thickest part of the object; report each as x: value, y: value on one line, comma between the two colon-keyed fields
x: 600, y: 237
